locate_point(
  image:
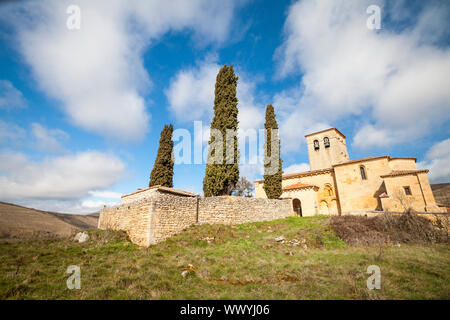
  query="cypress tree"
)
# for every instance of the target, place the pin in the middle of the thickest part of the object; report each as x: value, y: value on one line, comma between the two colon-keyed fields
x: 272, y: 180
x: 162, y: 173
x: 221, y: 176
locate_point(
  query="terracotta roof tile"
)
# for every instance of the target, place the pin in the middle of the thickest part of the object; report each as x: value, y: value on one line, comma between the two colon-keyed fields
x: 404, y: 158
x: 167, y: 189
x: 395, y: 173
x: 359, y: 160
x: 302, y: 174
x: 299, y: 186
x: 373, y: 158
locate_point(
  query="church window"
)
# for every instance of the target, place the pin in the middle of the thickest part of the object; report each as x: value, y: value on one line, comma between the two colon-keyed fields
x: 363, y: 172
x: 407, y: 191
x: 326, y: 142
x: 316, y: 145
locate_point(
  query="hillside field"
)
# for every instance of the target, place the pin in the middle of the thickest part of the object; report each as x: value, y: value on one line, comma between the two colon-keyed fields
x: 19, y: 223
x: 225, y: 262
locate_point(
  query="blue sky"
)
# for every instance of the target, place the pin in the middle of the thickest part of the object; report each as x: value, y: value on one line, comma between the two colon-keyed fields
x: 81, y: 110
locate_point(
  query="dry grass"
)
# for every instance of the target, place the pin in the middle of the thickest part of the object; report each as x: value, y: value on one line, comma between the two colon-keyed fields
x: 388, y: 228
x: 224, y: 262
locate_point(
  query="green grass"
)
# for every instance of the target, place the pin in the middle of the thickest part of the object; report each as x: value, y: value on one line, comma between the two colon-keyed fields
x: 242, y: 262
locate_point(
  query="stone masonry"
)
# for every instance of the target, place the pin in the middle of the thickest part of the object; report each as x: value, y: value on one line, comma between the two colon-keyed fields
x: 154, y: 214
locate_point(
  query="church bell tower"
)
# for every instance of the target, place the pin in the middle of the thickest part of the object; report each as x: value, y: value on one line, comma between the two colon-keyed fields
x: 326, y: 148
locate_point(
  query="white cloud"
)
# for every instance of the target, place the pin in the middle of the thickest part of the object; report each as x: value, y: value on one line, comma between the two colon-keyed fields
x: 47, y: 140
x: 396, y: 81
x: 73, y: 183
x: 210, y: 20
x: 191, y: 95
x: 68, y: 177
x: 65, y: 206
x: 298, y: 167
x: 11, y: 133
x: 106, y: 194
x: 97, y: 72
x: 369, y: 136
x: 37, y: 138
x: 10, y: 97
x: 437, y: 160
x: 74, y: 206
x: 191, y: 92
x: 94, y: 205
x: 251, y: 113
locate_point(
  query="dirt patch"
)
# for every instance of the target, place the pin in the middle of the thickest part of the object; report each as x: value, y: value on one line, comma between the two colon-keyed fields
x: 388, y: 228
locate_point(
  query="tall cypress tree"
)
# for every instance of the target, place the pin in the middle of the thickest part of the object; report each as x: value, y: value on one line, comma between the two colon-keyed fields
x: 272, y: 173
x: 221, y: 177
x: 162, y: 173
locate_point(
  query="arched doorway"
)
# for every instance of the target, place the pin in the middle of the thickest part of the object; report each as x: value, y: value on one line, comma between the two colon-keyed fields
x: 297, y: 207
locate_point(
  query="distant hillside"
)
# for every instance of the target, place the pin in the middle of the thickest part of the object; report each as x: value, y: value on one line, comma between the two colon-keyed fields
x: 17, y: 222
x: 441, y: 193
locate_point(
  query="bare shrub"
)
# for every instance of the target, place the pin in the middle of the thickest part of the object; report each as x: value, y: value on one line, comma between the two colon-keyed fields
x: 387, y: 228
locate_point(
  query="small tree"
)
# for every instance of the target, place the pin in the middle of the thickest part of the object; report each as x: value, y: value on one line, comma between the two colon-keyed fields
x: 272, y: 160
x: 222, y: 173
x: 243, y: 188
x: 162, y: 173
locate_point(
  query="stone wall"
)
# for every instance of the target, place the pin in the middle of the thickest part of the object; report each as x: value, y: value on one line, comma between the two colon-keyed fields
x: 171, y: 215
x: 134, y: 218
x: 237, y: 210
x: 159, y: 215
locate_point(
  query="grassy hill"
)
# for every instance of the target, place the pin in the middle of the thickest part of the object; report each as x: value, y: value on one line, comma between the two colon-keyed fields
x: 17, y: 222
x: 225, y: 262
x: 441, y: 193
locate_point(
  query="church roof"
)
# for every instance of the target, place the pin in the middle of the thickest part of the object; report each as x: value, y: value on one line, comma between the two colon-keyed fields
x: 164, y: 189
x: 302, y: 174
x: 404, y: 158
x: 396, y: 173
x: 373, y: 158
x: 300, y: 186
x: 359, y: 160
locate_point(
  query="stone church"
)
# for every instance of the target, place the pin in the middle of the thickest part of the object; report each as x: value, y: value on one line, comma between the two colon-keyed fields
x: 337, y: 185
